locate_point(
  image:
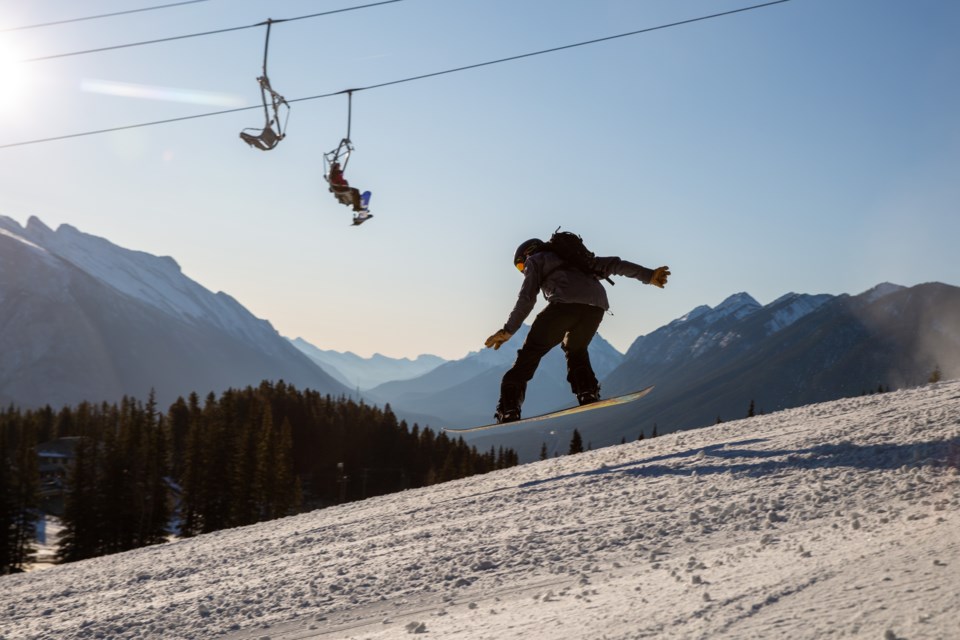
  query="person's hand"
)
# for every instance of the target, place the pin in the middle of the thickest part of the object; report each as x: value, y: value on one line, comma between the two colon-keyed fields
x: 659, y: 277
x: 497, y: 339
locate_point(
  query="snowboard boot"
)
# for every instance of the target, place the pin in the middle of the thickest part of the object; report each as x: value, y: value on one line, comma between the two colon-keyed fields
x: 508, y: 408
x: 506, y: 415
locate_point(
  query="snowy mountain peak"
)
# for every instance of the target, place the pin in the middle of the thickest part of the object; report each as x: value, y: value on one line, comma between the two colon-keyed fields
x: 366, y: 373
x: 11, y: 229
x: 86, y: 320
x: 35, y: 225
x: 693, y: 314
x: 791, y: 307
x: 157, y: 281
x: 880, y: 291
x: 738, y: 300
x: 739, y: 305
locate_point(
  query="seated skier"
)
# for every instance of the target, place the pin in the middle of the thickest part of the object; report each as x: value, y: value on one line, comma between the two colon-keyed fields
x: 343, y: 191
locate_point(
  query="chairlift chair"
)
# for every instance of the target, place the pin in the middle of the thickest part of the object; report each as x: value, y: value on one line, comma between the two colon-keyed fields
x: 273, y: 131
x: 340, y: 157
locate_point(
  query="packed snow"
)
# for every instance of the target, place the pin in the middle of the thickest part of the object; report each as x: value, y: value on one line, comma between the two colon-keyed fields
x: 833, y: 520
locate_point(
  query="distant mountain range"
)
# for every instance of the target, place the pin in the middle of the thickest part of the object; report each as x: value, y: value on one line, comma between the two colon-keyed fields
x: 83, y: 319
x: 365, y: 373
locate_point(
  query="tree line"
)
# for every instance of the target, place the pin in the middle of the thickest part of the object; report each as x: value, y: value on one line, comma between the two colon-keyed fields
x: 139, y: 475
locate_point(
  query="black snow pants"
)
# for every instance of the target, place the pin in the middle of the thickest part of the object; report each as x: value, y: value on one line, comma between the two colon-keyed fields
x: 570, y: 325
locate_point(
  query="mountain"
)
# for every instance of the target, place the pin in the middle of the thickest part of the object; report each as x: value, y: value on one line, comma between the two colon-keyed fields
x: 365, y: 373
x: 797, y: 350
x: 464, y: 392
x: 830, y: 521
x: 84, y: 319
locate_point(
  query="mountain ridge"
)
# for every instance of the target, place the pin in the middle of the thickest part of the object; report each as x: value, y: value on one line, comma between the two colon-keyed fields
x: 366, y: 373
x: 86, y: 320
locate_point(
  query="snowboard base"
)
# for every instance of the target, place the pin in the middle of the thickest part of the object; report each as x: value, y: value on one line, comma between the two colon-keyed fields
x: 593, y: 406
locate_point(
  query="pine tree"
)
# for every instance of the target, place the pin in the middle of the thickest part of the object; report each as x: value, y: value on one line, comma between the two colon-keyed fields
x: 935, y: 375
x: 80, y: 533
x: 192, y: 498
x: 219, y: 443
x: 177, y: 428
x: 654, y: 434
x: 640, y: 437
x: 266, y: 472
x: 543, y: 451
x: 576, y: 443
x: 26, y: 498
x: 286, y: 501
x: 245, y: 508
x: 156, y: 513
x: 752, y: 410
x: 114, y: 499
x: 7, y: 543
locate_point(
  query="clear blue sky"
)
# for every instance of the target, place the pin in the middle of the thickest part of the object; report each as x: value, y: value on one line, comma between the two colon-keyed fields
x: 812, y: 146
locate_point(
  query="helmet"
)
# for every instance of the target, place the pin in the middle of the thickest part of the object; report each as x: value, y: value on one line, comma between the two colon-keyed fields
x: 526, y: 248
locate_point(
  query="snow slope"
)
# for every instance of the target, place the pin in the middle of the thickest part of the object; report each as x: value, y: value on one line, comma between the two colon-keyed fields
x: 827, y: 521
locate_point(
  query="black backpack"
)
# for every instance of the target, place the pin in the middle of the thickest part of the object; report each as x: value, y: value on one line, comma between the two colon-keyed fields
x: 569, y: 246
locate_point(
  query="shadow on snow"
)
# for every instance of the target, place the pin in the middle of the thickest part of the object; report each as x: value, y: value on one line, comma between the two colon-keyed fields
x: 757, y: 463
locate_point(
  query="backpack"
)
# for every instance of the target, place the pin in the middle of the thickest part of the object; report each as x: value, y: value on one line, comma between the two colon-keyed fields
x: 569, y: 246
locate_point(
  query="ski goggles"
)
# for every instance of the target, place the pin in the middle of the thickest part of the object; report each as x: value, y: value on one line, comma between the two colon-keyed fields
x: 519, y: 266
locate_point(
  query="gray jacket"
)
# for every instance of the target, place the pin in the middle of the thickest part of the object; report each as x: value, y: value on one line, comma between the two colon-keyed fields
x: 560, y: 282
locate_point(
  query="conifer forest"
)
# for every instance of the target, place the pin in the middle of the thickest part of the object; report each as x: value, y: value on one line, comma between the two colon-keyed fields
x: 138, y: 475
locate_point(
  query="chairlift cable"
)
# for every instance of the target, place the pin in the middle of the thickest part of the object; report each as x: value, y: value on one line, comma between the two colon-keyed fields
x: 565, y: 47
x: 349, y: 92
x: 204, y: 33
x: 99, y: 16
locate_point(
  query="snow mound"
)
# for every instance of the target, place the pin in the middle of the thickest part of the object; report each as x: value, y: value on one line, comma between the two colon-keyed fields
x: 829, y: 521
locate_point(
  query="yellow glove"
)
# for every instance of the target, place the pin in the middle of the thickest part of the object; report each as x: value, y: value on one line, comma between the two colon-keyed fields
x: 659, y: 277
x: 497, y: 339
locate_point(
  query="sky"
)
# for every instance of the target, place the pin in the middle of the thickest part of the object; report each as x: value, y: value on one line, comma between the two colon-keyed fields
x: 812, y: 146
x: 837, y: 520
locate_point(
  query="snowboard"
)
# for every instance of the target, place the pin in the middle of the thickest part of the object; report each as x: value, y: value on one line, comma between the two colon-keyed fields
x: 593, y: 406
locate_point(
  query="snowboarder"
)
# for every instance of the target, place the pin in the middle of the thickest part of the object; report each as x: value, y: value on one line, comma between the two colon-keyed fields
x: 342, y: 190
x: 577, y: 302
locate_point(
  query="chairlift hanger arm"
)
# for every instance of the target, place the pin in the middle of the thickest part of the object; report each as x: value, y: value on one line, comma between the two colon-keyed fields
x: 349, y: 111
x: 266, y: 46
x: 272, y: 102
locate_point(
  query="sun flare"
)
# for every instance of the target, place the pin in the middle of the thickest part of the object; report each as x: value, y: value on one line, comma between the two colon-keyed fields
x: 12, y: 80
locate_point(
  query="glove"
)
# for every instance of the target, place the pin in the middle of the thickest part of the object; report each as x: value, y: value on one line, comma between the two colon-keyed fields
x: 659, y: 277
x: 497, y: 339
